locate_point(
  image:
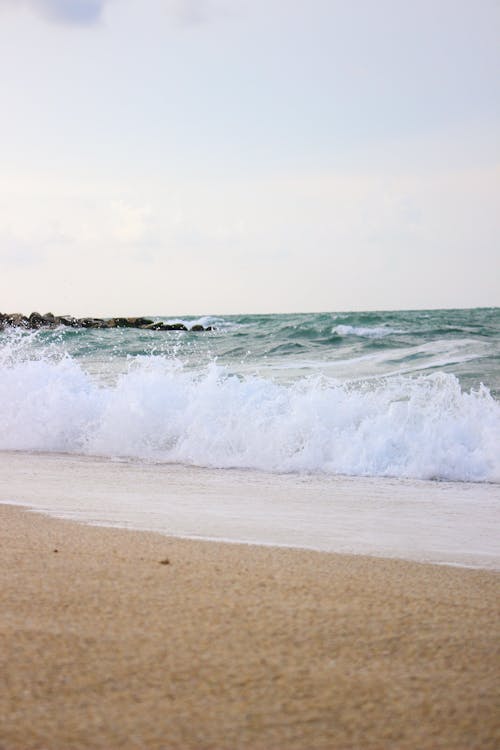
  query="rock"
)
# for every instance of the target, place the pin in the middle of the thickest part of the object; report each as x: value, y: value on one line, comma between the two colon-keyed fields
x: 66, y: 320
x: 49, y: 320
x: 160, y: 326
x: 92, y: 323
x: 130, y: 322
x: 140, y: 322
x: 121, y: 323
x: 174, y: 327
x: 36, y: 320
x: 42, y: 321
x: 18, y: 320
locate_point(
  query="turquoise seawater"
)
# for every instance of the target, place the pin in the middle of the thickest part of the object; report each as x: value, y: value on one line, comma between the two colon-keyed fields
x: 401, y: 393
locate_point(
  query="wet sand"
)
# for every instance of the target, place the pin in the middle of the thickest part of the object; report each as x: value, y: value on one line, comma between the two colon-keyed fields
x: 118, y: 639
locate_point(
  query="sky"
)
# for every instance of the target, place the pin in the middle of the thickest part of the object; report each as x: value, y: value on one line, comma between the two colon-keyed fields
x: 162, y: 157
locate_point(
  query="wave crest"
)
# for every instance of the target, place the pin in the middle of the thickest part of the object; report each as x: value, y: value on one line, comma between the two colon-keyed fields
x: 425, y: 427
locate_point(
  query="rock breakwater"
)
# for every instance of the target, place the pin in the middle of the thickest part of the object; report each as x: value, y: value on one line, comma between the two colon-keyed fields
x: 35, y: 321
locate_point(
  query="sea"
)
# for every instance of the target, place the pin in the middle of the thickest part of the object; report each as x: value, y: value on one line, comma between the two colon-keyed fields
x: 370, y: 432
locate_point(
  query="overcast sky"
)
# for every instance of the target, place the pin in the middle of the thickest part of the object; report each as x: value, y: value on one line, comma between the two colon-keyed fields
x: 216, y: 156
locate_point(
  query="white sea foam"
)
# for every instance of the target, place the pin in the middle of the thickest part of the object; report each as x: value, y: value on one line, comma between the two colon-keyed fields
x: 425, y: 427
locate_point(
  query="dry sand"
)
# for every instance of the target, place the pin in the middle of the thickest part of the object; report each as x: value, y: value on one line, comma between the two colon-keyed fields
x: 230, y: 646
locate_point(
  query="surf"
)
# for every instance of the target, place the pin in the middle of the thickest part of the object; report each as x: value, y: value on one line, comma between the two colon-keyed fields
x: 156, y: 408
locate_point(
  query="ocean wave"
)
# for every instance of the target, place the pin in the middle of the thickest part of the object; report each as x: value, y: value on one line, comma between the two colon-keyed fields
x: 424, y: 427
x: 369, y: 332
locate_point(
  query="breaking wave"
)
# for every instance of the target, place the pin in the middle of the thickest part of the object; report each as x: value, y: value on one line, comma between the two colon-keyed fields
x: 424, y: 427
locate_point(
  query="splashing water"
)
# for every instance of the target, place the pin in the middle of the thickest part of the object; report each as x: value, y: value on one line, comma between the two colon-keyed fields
x: 276, y: 393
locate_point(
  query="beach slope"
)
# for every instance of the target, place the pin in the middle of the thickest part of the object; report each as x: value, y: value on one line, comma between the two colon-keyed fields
x: 118, y: 639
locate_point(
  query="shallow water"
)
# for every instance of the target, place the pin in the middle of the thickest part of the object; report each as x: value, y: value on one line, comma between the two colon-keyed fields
x: 440, y: 522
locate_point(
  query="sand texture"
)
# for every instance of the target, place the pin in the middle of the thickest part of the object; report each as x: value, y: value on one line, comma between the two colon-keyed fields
x: 105, y: 644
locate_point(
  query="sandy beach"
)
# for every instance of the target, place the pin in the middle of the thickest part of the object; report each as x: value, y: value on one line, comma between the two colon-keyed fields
x: 119, y: 639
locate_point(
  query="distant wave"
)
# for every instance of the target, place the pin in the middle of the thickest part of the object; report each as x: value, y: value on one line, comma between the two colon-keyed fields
x: 425, y: 427
x: 372, y: 332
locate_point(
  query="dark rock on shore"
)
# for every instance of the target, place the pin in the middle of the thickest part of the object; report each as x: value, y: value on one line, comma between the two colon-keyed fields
x: 160, y: 326
x: 129, y: 323
x: 35, y: 321
x: 91, y: 323
x: 67, y: 320
x: 18, y: 320
x: 139, y: 322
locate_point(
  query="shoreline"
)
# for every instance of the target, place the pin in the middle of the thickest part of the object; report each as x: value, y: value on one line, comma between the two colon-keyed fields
x: 450, y: 523
x: 50, y: 514
x: 229, y: 645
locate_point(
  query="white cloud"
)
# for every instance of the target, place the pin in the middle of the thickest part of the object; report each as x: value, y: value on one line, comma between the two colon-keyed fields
x: 79, y: 12
x: 88, y: 12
